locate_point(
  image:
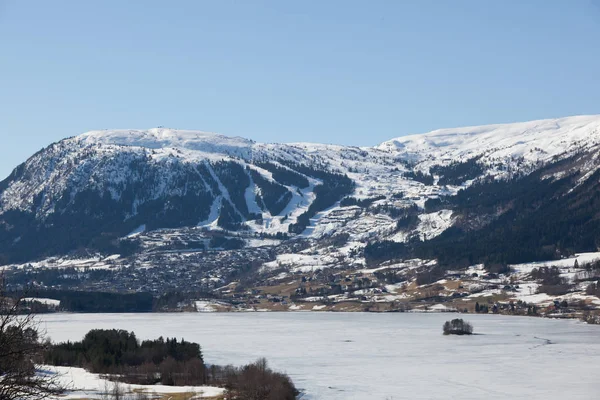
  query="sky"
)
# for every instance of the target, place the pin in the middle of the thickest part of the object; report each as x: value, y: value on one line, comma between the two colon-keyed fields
x: 344, y: 72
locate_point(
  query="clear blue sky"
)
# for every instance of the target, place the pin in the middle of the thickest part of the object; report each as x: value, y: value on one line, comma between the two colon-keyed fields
x: 350, y: 72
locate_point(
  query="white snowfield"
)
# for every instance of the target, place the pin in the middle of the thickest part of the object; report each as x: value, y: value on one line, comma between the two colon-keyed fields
x: 206, y: 306
x: 46, y: 301
x: 81, y: 384
x: 534, y: 141
x: 81, y: 264
x: 158, y: 138
x: 367, y: 356
x: 564, y: 265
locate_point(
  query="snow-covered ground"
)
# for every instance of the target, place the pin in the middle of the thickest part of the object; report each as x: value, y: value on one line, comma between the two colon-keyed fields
x: 160, y: 138
x: 302, y: 262
x: 98, y: 262
x: 430, y: 226
x: 81, y: 384
x: 43, y: 300
x: 206, y: 306
x: 533, y: 141
x: 565, y: 265
x: 356, y: 356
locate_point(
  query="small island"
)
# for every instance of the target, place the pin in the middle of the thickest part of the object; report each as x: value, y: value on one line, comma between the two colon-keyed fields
x: 458, y: 327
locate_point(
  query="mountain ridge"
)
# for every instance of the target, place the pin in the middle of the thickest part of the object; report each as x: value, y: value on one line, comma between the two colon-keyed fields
x: 519, y: 128
x: 165, y: 178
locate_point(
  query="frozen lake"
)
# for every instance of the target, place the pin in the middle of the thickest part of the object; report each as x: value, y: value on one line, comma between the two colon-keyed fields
x: 338, y: 356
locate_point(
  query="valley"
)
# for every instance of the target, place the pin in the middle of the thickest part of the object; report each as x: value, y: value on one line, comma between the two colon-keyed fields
x: 455, y: 219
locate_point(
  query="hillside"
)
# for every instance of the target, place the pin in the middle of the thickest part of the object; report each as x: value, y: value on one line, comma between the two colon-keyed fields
x: 213, y: 210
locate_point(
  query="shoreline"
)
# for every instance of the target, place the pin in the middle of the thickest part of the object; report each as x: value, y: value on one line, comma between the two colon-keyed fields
x: 547, y: 316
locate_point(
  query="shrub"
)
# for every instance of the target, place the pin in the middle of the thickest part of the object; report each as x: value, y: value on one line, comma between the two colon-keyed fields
x: 554, y: 290
x: 547, y: 275
x: 432, y: 275
x: 593, y: 289
x: 457, y: 327
x: 254, y: 381
x: 498, y: 268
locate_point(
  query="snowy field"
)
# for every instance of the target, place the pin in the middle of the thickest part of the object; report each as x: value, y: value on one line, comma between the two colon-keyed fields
x: 81, y: 384
x: 339, y: 356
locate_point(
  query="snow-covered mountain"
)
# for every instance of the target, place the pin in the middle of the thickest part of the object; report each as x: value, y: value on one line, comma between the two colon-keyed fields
x: 99, y: 189
x: 533, y: 141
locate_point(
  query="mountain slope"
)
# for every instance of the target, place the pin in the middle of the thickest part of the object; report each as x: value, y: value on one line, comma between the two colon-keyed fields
x: 534, y: 142
x: 93, y: 190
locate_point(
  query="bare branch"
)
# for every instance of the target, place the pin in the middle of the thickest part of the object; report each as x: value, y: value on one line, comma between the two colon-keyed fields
x: 21, y: 345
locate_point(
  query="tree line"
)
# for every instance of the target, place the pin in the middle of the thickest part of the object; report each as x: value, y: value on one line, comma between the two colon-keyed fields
x: 169, y: 361
x: 118, y: 352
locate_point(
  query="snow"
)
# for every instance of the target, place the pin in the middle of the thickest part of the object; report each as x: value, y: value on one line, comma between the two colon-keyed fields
x: 99, y: 159
x: 321, y: 229
x: 298, y: 262
x: 43, y: 300
x: 222, y: 189
x: 440, y: 308
x: 159, y: 138
x: 250, y: 196
x: 313, y: 299
x: 358, y: 356
x: 478, y: 269
x: 65, y: 262
x: 394, y: 288
x: 430, y: 225
x: 534, y: 140
x: 83, y: 384
x: 213, y: 216
x: 527, y: 293
x: 565, y: 263
x: 524, y: 289
x: 541, y: 299
x: 301, y: 200
x: 205, y: 306
x: 408, y: 264
x: 571, y: 297
x: 137, y: 231
x: 484, y: 293
x: 434, y: 224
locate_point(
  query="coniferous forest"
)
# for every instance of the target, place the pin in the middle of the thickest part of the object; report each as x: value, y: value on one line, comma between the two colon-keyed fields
x: 167, y: 361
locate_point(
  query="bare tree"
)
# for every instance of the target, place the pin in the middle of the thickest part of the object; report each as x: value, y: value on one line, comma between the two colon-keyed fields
x: 21, y: 351
x: 113, y: 390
